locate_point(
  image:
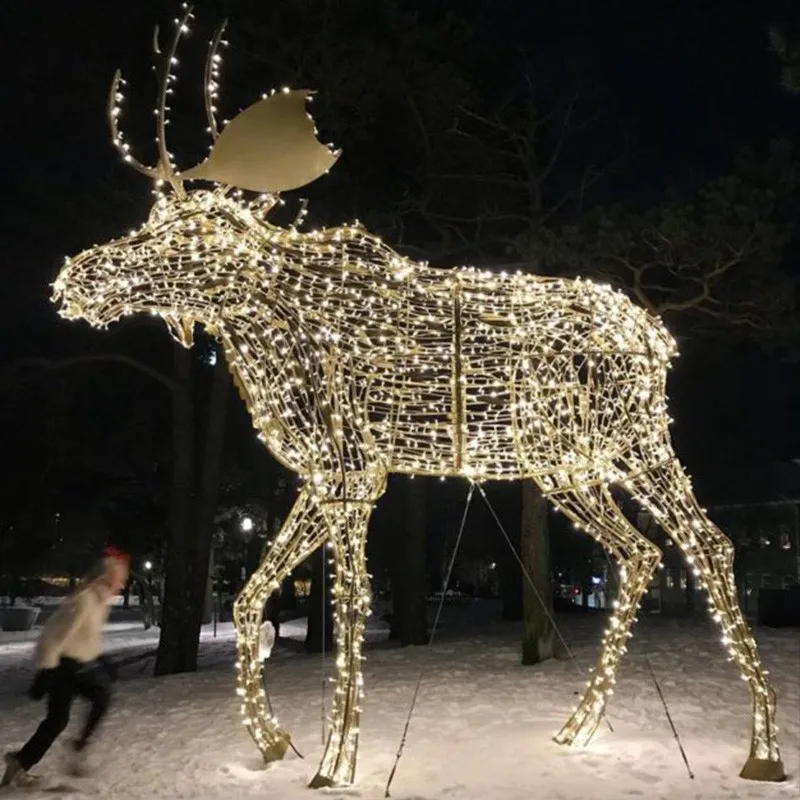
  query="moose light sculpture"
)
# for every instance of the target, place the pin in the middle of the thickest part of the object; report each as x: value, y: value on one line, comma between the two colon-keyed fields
x: 355, y: 362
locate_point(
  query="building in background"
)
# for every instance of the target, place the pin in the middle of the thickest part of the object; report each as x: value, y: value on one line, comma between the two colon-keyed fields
x: 761, y: 514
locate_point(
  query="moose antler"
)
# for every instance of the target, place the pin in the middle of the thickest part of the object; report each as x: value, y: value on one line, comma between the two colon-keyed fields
x: 115, y: 99
x: 270, y: 147
x: 211, y: 79
x: 165, y: 169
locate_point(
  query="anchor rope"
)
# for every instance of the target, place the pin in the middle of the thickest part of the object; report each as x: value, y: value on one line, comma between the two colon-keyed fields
x: 445, y: 585
x: 669, y: 717
x: 536, y: 592
x: 448, y: 576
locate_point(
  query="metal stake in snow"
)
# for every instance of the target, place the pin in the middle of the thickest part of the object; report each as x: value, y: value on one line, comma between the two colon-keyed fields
x: 669, y: 718
x: 430, y: 641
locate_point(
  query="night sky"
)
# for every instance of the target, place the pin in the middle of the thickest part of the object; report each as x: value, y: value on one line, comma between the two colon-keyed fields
x: 688, y: 83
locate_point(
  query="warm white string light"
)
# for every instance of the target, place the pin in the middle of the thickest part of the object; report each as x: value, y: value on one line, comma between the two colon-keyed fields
x: 355, y: 362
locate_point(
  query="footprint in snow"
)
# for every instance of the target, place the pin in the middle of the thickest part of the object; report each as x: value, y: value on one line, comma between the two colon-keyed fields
x: 645, y: 777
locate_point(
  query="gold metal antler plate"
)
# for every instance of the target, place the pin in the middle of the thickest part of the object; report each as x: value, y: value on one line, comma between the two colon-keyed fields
x: 270, y: 147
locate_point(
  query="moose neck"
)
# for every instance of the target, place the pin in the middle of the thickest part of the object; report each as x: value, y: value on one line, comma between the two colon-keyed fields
x: 295, y: 324
x: 261, y: 349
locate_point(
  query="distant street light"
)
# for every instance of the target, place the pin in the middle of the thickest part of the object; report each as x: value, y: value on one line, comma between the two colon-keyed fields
x: 148, y: 565
x: 247, y: 524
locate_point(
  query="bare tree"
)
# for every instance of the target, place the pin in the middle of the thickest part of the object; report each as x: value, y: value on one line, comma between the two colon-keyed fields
x: 510, y: 170
x: 786, y: 47
x: 709, y: 262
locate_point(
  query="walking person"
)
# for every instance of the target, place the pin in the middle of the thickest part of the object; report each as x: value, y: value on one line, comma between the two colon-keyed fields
x: 70, y: 663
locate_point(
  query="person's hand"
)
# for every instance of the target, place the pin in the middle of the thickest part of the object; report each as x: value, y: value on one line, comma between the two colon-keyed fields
x: 41, y: 684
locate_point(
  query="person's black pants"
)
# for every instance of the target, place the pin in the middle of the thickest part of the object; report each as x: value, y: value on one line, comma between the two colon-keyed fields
x: 70, y: 679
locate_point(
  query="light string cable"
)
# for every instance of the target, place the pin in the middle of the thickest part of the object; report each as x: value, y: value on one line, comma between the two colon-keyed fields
x: 445, y: 586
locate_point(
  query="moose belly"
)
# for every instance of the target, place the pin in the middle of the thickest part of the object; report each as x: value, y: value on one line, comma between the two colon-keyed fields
x: 444, y: 404
x: 450, y: 419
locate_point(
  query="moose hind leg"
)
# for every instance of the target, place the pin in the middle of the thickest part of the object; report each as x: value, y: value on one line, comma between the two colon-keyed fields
x: 348, y: 507
x: 594, y: 509
x: 666, y: 491
x: 303, y: 532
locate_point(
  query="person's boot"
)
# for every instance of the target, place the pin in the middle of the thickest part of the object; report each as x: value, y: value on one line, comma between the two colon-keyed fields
x: 77, y: 761
x: 16, y: 775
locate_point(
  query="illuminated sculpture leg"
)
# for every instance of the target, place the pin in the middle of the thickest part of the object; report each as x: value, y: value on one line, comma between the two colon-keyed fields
x: 347, y: 508
x: 594, y: 510
x: 667, y: 493
x: 303, y: 532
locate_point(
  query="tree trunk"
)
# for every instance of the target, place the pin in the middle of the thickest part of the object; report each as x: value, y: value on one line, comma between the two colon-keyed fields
x: 192, y: 518
x: 689, y: 590
x: 410, y: 584
x: 176, y: 610
x: 208, y: 600
x: 611, y: 583
x: 586, y: 583
x: 320, y: 604
x: 396, y: 567
x: 207, y: 497
x: 288, y: 596
x: 740, y: 576
x: 272, y: 612
x: 537, y: 633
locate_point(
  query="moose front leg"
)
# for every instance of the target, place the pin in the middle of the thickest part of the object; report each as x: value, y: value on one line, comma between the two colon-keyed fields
x: 303, y: 532
x: 347, y: 507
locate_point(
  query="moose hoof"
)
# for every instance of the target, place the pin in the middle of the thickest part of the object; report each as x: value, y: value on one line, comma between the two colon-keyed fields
x: 762, y: 769
x: 319, y: 781
x: 568, y: 735
x: 277, y: 750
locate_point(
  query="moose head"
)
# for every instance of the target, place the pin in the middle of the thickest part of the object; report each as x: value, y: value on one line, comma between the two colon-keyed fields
x: 182, y: 261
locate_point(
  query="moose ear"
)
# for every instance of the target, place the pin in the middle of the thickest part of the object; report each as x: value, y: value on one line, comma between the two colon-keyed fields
x: 270, y: 147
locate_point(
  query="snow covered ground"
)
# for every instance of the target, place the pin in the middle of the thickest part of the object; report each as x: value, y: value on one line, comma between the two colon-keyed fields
x: 481, y: 731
